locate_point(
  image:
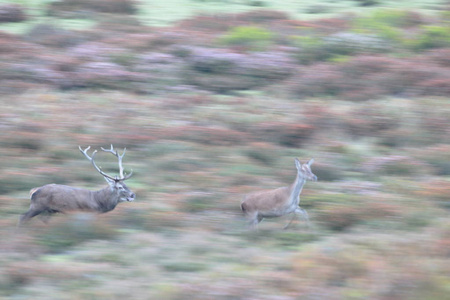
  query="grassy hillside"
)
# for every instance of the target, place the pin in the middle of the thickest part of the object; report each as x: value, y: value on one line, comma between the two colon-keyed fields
x: 213, y: 107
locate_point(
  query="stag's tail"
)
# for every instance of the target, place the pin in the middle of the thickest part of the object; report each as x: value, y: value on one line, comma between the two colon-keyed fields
x: 33, y: 192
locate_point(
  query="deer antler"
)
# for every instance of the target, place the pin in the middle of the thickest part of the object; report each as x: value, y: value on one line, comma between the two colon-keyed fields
x: 91, y: 159
x: 119, y: 157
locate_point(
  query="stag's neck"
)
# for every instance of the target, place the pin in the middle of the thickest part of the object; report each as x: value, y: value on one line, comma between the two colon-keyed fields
x: 106, y: 200
x: 296, y: 189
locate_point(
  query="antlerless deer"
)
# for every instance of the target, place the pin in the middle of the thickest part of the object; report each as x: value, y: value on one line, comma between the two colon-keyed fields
x: 54, y: 198
x: 281, y: 201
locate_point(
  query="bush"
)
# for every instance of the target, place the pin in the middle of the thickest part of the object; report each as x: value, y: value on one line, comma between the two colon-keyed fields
x: 249, y: 37
x: 107, y: 75
x: 341, y: 211
x: 318, y: 80
x: 436, y: 190
x: 388, y: 17
x: 222, y: 71
x: 79, y: 228
x: 310, y: 50
x: 432, y: 36
x: 11, y: 13
x: 396, y: 165
x: 285, y: 134
x: 53, y: 36
x: 78, y: 8
x: 436, y: 156
x: 368, y: 2
x: 348, y: 43
x: 262, y: 16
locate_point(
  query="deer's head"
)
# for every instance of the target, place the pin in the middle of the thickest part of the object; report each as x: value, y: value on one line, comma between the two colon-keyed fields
x: 304, y: 170
x: 116, y: 184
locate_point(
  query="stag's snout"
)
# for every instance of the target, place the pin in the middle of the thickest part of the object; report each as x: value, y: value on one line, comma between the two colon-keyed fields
x: 131, y: 197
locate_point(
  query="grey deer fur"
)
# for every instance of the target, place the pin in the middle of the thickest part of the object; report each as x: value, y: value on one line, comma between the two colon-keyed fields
x: 57, y: 198
x: 281, y: 201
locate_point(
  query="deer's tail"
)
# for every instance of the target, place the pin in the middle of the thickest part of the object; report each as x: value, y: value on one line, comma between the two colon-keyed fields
x: 33, y: 192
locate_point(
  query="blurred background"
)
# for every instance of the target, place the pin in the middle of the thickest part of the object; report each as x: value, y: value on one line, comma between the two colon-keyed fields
x: 214, y: 99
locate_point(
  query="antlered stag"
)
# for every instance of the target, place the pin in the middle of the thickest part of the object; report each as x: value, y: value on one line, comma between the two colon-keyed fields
x: 281, y: 201
x: 57, y: 198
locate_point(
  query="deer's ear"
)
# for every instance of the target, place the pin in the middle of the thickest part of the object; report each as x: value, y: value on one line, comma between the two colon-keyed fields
x: 298, y: 164
x: 110, y: 181
x: 310, y: 162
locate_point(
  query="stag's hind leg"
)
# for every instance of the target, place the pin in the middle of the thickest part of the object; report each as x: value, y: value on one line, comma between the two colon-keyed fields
x: 32, y: 212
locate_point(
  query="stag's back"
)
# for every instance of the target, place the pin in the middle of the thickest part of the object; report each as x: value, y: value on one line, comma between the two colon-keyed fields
x: 61, y: 198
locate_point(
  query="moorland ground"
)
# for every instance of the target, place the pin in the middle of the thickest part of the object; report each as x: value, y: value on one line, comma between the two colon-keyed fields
x: 215, y: 104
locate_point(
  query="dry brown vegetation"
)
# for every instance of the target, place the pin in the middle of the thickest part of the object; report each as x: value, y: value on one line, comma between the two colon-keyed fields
x: 209, y: 113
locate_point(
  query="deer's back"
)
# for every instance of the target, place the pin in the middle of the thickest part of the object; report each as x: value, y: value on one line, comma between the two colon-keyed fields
x: 267, y: 202
x: 60, y: 197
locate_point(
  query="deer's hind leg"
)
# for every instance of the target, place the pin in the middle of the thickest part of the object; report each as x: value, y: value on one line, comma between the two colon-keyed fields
x: 32, y: 212
x: 254, y: 219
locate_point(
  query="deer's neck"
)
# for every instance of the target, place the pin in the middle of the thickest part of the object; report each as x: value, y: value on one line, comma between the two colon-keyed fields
x: 296, y: 189
x: 106, y: 199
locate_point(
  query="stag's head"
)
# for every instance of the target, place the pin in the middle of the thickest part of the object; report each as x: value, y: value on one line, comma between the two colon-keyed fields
x: 304, y: 170
x: 123, y: 192
x: 116, y: 183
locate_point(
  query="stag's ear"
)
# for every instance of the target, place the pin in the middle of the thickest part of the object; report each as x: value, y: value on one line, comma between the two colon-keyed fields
x: 310, y: 162
x: 110, y: 181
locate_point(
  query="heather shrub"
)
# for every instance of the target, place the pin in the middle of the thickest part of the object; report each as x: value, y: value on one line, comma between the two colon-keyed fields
x: 318, y: 80
x: 285, y: 134
x: 249, y: 37
x: 11, y: 13
x: 431, y: 36
x: 318, y: 9
x: 108, y: 75
x: 11, y: 182
x: 221, y: 71
x: 437, y: 156
x: 261, y: 152
x: 370, y: 120
x: 436, y: 190
x: 388, y: 24
x: 333, y: 47
x: 340, y: 212
x: 122, y: 24
x: 439, y: 56
x: 30, y: 136
x: 198, y: 203
x: 435, y: 87
x: 53, y: 36
x: 396, y: 165
x: 328, y: 171
x: 262, y: 16
x: 74, y: 7
x: 388, y: 17
x: 77, y: 229
x: 206, y: 135
x: 348, y: 43
x: 368, y: 2
x: 310, y: 50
